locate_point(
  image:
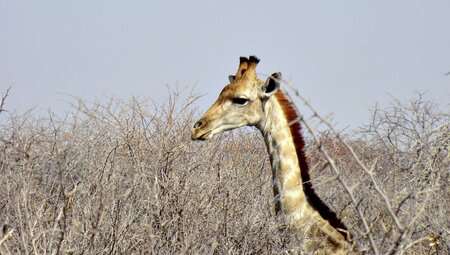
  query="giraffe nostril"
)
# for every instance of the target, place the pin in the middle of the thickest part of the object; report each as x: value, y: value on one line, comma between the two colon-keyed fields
x: 199, y: 124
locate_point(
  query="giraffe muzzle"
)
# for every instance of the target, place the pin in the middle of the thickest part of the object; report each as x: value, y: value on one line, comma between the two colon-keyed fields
x: 198, y: 133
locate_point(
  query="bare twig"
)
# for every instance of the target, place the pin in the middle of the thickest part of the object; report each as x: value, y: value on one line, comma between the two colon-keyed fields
x: 6, y: 236
x: 3, y: 99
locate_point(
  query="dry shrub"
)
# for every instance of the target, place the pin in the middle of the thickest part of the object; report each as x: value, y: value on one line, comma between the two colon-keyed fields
x: 121, y: 177
x: 125, y: 178
x: 398, y: 176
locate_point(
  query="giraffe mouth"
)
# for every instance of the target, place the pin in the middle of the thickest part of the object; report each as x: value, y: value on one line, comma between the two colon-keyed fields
x: 205, y: 136
x: 196, y: 135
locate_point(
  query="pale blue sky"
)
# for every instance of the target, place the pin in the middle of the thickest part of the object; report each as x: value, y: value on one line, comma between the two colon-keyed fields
x: 342, y: 55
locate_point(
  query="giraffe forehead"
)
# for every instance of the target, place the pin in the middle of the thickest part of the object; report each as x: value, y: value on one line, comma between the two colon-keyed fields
x: 240, y: 88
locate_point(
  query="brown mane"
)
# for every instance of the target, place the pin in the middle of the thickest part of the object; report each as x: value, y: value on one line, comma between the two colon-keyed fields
x: 311, y: 196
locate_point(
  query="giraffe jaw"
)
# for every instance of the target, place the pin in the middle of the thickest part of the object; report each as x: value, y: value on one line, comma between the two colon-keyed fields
x: 196, y: 135
x: 205, y: 136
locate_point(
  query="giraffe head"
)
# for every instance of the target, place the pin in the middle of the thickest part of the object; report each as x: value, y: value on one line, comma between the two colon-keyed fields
x: 241, y: 103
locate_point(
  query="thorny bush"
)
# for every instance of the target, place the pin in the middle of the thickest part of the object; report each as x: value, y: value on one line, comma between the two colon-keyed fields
x: 121, y: 177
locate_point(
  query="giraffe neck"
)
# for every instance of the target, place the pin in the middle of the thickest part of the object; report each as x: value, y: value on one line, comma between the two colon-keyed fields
x: 294, y: 195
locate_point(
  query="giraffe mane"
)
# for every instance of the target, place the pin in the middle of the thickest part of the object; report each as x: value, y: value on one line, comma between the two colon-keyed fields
x: 314, y: 200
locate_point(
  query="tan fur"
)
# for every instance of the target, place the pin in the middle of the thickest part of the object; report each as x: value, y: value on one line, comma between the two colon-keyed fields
x: 243, y: 65
x: 273, y: 115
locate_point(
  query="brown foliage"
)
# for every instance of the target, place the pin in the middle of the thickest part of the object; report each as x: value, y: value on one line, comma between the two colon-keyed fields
x: 124, y: 178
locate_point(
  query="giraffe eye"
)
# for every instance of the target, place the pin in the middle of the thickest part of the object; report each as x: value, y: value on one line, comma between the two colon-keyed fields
x: 240, y: 101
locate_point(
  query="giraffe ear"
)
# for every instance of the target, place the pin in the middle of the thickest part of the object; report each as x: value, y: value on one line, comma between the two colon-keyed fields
x: 272, y: 85
x: 231, y: 78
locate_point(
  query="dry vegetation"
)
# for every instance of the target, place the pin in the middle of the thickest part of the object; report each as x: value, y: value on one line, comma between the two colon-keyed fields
x: 124, y: 178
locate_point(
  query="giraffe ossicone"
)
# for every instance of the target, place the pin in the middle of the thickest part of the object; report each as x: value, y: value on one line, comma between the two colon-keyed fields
x: 249, y: 101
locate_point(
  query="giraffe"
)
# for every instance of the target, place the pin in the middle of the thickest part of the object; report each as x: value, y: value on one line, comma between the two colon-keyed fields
x: 249, y: 101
